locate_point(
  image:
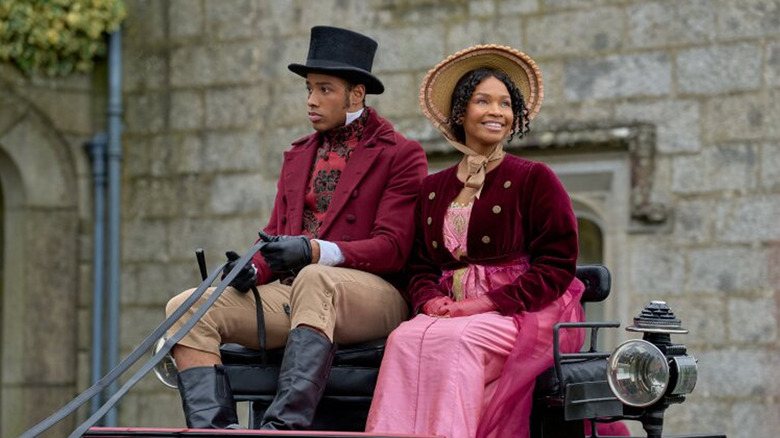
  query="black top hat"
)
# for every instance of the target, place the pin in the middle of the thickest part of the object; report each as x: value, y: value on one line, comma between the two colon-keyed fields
x: 343, y: 53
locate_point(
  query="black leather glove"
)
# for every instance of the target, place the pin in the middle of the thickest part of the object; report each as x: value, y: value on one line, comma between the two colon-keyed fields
x: 271, y: 238
x: 245, y: 279
x: 286, y: 253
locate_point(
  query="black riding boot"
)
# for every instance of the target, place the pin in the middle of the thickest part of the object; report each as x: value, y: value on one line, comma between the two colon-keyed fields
x: 207, y: 398
x: 302, y: 377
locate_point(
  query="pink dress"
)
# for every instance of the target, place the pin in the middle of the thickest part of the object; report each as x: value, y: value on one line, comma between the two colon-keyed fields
x: 463, y: 377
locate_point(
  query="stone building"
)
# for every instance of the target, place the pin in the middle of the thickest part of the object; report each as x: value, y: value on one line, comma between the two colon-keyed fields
x: 660, y: 116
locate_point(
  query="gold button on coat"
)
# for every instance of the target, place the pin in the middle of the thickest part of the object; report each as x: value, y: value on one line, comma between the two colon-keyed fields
x: 507, y: 183
x: 485, y: 239
x: 431, y: 195
x: 496, y: 209
x: 430, y: 220
x: 435, y: 244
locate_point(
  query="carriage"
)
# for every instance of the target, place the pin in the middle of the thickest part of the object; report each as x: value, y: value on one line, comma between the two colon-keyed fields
x: 637, y: 381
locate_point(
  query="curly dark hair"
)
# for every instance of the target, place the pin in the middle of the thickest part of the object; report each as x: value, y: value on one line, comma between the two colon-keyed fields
x: 461, y: 96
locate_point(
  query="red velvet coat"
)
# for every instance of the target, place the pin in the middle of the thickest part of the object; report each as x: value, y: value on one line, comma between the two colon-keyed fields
x: 371, y: 216
x: 523, y: 211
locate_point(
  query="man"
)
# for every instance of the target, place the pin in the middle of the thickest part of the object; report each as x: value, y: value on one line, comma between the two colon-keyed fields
x: 340, y: 231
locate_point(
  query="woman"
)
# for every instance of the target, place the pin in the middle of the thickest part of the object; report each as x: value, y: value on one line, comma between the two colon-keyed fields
x: 494, y: 263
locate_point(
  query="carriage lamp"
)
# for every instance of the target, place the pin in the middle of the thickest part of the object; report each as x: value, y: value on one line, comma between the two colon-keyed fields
x: 638, y: 373
x: 651, y: 373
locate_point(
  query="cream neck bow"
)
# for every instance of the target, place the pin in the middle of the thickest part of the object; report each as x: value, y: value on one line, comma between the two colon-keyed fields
x: 477, y: 164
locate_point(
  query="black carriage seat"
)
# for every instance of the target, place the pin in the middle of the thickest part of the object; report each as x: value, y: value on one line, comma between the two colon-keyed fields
x: 355, y: 370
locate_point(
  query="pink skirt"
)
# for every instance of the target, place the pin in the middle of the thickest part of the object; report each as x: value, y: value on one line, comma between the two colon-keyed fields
x: 469, y: 376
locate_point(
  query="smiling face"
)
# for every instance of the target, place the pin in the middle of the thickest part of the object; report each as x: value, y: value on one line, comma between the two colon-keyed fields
x: 329, y: 100
x: 466, y: 89
x: 489, y: 117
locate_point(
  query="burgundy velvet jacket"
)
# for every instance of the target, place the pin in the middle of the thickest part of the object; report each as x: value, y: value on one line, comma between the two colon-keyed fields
x: 371, y: 216
x: 523, y: 211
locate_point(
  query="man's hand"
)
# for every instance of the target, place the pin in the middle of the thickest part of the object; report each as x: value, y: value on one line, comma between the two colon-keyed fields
x: 271, y: 238
x: 286, y: 253
x: 245, y: 279
x: 469, y: 306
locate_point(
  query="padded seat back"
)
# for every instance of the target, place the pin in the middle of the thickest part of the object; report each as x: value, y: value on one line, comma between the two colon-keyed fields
x: 364, y: 354
x: 597, y: 281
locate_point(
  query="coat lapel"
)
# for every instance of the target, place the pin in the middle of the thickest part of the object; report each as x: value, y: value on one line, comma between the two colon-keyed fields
x: 297, y: 165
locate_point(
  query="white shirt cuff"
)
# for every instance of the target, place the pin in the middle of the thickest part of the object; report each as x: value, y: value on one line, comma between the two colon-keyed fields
x: 330, y: 253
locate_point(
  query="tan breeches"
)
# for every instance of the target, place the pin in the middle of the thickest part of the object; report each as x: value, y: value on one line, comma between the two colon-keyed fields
x: 347, y: 305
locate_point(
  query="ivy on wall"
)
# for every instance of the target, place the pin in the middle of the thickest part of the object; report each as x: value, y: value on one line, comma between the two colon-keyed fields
x: 56, y: 37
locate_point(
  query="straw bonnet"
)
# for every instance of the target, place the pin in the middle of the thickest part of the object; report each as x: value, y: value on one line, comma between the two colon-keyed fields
x: 438, y: 85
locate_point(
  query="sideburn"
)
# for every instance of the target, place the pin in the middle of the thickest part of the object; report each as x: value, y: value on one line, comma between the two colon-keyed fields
x: 346, y: 96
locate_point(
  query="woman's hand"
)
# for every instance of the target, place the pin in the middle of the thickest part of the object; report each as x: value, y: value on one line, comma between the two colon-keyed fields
x: 434, y: 306
x: 469, y: 306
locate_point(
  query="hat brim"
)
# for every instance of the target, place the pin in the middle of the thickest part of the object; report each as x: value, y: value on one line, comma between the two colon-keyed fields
x: 352, y: 74
x: 437, y: 86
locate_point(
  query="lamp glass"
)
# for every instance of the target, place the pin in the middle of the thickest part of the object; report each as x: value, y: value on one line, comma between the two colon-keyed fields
x: 638, y: 373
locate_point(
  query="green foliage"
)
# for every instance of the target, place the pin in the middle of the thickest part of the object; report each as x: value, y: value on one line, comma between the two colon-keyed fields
x: 56, y: 37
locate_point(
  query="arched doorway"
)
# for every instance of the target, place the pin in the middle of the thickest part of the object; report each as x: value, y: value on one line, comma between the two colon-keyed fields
x: 591, y: 242
x: 39, y: 275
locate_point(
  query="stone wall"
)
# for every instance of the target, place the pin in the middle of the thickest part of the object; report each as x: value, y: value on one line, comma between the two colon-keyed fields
x: 210, y: 107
